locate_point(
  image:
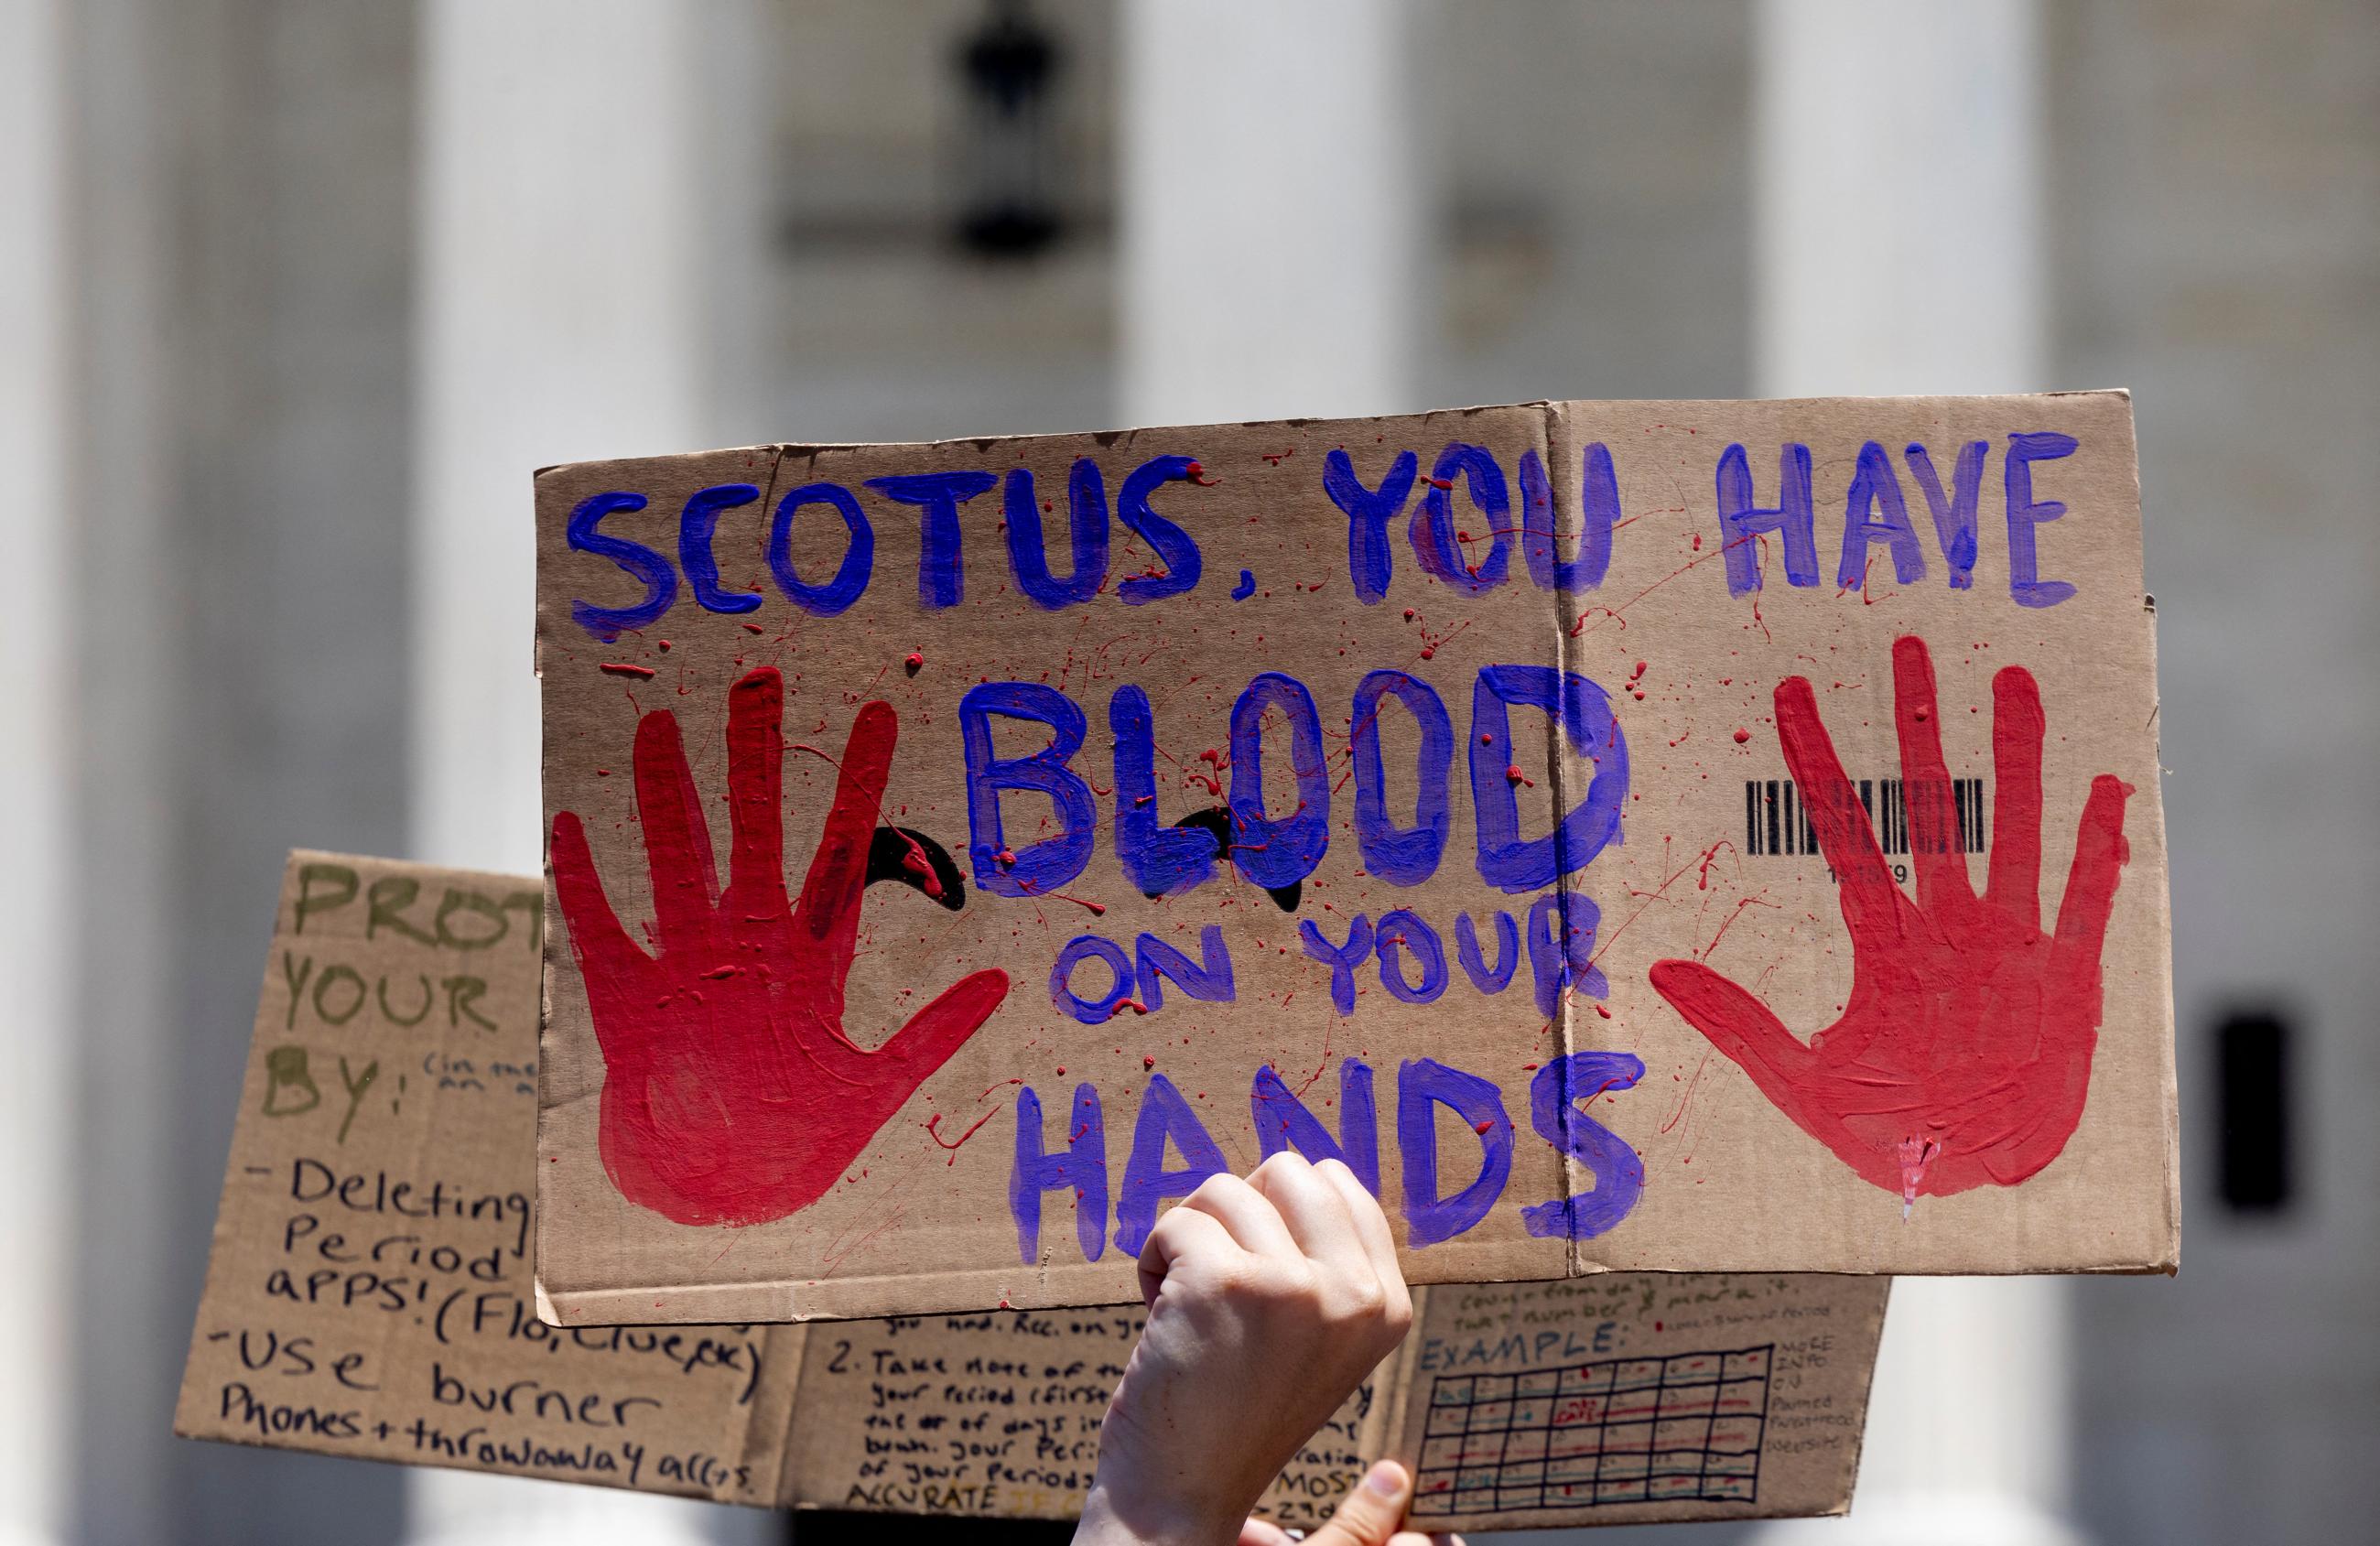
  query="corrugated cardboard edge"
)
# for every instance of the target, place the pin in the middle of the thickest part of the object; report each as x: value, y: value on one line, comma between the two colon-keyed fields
x: 2171, y: 1265
x: 1874, y: 1329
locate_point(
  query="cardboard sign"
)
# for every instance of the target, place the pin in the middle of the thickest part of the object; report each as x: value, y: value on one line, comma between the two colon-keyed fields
x: 369, y: 1295
x: 1633, y: 836
x: 1624, y: 1398
x: 370, y: 1291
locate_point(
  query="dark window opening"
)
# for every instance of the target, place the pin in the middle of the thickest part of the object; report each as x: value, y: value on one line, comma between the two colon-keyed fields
x: 2253, y: 1106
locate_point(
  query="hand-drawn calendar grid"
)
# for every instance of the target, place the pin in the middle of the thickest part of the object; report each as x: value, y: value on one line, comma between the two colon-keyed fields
x: 1629, y: 1431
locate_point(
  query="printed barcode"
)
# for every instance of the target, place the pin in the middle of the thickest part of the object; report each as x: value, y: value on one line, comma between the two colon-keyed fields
x: 1777, y: 820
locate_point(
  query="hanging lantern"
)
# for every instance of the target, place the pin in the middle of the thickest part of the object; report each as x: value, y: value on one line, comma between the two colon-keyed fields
x: 1008, y: 204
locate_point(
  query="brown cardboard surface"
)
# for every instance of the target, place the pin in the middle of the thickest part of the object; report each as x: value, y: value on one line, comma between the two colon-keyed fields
x: 369, y: 1292
x: 376, y: 1319
x: 737, y: 1132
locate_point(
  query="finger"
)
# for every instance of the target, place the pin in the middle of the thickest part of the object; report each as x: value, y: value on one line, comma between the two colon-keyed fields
x: 678, y: 839
x: 1373, y: 1510
x: 2100, y: 854
x: 2018, y: 728
x: 1263, y: 1532
x: 1255, y: 1224
x: 942, y: 1026
x: 1372, y: 1228
x: 1740, y: 1026
x: 828, y: 914
x: 1180, y: 1240
x: 1312, y: 1209
x: 756, y: 776
x: 597, y: 940
x: 1934, y: 852
x: 1871, y: 903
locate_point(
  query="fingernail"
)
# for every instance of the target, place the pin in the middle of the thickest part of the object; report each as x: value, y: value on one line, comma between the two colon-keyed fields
x: 1386, y: 1477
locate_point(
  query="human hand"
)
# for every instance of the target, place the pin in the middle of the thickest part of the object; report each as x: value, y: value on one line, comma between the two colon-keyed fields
x: 1269, y: 1299
x: 1963, y: 1053
x: 732, y: 1093
x: 1368, y: 1517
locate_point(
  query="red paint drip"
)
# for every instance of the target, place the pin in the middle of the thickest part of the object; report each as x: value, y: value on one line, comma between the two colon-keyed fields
x: 1197, y: 475
x: 623, y: 668
x: 916, y: 862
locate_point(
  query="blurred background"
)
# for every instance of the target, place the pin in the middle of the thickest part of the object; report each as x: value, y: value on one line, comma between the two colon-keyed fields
x: 293, y: 293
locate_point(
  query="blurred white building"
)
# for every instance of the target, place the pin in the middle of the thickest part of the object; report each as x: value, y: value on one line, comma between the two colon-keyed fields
x: 293, y: 296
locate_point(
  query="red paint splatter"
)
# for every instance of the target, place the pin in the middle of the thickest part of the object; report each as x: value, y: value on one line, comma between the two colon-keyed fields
x: 746, y: 1101
x: 1197, y: 475
x: 916, y: 862
x: 1963, y: 1057
x: 914, y: 664
x: 933, y: 1127
x: 623, y: 668
x: 1742, y: 734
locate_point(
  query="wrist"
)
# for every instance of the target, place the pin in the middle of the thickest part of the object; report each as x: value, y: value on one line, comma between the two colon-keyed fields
x: 1116, y: 1516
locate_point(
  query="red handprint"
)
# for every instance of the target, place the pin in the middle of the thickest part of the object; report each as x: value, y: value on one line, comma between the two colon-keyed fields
x: 1964, y: 1052
x: 731, y: 1093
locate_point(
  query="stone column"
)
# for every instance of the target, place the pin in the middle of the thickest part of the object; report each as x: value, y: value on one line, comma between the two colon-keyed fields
x: 568, y: 302
x: 1273, y: 216
x: 37, y: 933
x: 1898, y: 247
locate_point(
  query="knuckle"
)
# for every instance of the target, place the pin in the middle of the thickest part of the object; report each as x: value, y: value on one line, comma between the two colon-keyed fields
x: 1364, y: 1298
x: 1215, y: 1186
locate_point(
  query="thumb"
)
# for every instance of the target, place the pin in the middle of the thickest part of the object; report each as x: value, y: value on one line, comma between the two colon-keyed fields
x: 1372, y: 1512
x: 939, y: 1030
x: 1734, y: 1021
